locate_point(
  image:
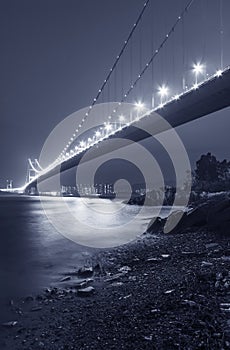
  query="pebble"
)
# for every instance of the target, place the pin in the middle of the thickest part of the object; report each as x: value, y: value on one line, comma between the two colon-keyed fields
x: 170, y: 291
x: 211, y: 245
x: 124, y: 269
x: 10, y: 324
x: 86, y: 291
x: 36, y: 308
x: 85, y: 271
x: 64, y: 279
x: 206, y: 264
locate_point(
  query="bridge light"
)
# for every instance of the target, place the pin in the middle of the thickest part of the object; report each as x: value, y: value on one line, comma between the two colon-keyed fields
x: 139, y: 105
x: 198, y: 69
x: 177, y: 97
x: 121, y: 119
x: 108, y: 127
x: 195, y: 86
x: 163, y: 91
x: 97, y: 134
x: 218, y: 73
x: 82, y: 144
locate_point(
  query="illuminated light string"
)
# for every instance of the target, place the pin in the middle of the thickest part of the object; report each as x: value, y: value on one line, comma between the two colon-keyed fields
x: 98, y: 136
x: 195, y: 86
x: 163, y: 91
x: 118, y: 57
x: 167, y: 36
x: 197, y: 68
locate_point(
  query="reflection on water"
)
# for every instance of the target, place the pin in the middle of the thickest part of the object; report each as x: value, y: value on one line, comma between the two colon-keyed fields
x: 32, y: 253
x: 98, y: 223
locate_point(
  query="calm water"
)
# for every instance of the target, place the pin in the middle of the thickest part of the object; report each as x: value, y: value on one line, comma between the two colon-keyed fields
x: 33, y: 254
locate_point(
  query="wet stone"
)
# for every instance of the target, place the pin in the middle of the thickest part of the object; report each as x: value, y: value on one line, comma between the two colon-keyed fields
x: 88, y: 291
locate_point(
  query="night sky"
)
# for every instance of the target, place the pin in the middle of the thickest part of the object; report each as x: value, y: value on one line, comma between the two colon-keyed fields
x: 56, y: 53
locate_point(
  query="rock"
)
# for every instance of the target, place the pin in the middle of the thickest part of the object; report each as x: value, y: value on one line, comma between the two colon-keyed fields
x: 188, y: 253
x: 114, y: 277
x: 179, y: 220
x: 174, y: 222
x: 117, y: 284
x: 10, y: 324
x: 196, y: 217
x: 36, y: 308
x: 225, y: 305
x: 64, y: 279
x: 189, y: 302
x: 149, y: 338
x: 156, y: 225
x: 206, y: 264
x: 153, y: 260
x: 124, y: 269
x: 154, y: 311
x: 81, y: 283
x: 127, y: 296
x: 219, y: 216
x: 29, y: 298
x: 225, y: 258
x: 85, y: 271
x: 211, y: 245
x: 86, y: 291
x: 170, y: 291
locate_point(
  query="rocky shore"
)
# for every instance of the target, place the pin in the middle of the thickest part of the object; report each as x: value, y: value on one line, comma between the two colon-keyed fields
x: 164, y: 291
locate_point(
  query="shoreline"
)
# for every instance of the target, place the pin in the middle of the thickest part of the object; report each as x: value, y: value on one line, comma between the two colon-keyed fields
x: 160, y: 292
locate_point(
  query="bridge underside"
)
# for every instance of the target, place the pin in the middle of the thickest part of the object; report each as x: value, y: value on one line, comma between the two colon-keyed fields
x: 210, y: 97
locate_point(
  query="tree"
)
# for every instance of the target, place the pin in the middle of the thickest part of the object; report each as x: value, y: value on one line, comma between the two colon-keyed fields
x: 207, y: 168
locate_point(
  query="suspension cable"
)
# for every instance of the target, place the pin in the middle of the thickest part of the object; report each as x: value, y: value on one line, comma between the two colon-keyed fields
x: 126, y: 42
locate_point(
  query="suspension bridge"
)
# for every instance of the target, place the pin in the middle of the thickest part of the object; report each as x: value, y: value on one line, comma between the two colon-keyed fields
x: 158, y: 71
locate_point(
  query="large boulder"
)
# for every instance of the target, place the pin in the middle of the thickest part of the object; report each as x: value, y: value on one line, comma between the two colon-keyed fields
x: 156, y: 225
x: 196, y: 217
x: 214, y: 213
x: 174, y: 222
x: 179, y: 220
x: 219, y: 216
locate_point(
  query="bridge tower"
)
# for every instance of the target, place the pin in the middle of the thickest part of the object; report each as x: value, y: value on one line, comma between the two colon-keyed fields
x: 9, y: 184
x: 31, y: 172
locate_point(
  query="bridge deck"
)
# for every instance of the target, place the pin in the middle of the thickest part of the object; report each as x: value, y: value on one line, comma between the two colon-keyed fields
x: 211, y: 96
